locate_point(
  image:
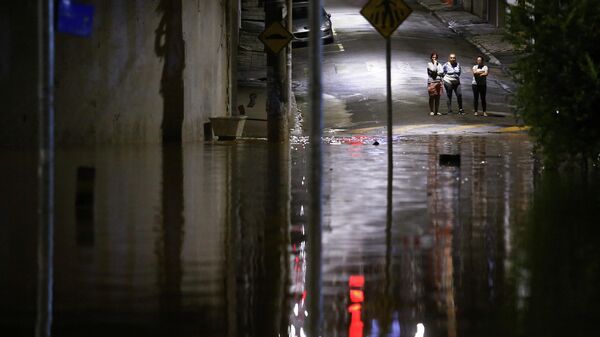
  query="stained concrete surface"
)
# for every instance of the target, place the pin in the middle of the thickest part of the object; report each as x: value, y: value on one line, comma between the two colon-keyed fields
x: 210, y: 240
x: 109, y: 85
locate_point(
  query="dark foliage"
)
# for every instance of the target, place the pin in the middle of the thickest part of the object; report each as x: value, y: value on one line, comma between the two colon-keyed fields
x: 558, y: 76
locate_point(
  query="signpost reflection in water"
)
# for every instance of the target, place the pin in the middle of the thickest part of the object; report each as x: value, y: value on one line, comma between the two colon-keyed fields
x: 195, y: 240
x: 410, y: 267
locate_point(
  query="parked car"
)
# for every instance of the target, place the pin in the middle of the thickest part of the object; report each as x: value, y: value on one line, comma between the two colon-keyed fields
x: 300, y: 24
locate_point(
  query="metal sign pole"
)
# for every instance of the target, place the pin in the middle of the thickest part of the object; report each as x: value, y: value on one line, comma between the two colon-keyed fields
x: 288, y: 88
x: 389, y: 219
x: 45, y: 247
x: 386, y: 16
x: 388, y: 56
x: 316, y: 170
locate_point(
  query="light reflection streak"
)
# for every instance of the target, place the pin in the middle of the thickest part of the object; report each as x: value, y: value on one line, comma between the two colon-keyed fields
x: 420, y: 330
x: 357, y: 297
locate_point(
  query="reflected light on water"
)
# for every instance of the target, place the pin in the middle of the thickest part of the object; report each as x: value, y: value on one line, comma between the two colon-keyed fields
x: 396, y: 327
x: 184, y: 238
x: 420, y: 330
x: 357, y: 297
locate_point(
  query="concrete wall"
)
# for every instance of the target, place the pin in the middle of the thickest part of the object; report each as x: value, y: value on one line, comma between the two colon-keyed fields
x: 477, y: 7
x: 110, y: 87
x: 206, y: 74
x: 467, y: 5
x: 493, y: 11
x: 107, y: 86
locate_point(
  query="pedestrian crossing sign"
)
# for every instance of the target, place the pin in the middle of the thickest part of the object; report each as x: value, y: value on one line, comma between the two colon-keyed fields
x: 386, y: 15
x: 275, y: 37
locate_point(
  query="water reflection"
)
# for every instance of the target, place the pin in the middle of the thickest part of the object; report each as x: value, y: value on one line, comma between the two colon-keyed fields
x: 260, y: 216
x: 556, y: 272
x: 169, y: 243
x: 210, y: 240
x: 18, y: 242
x: 436, y: 221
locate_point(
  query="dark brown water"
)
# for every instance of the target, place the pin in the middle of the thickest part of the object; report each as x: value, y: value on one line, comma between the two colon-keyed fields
x: 209, y: 240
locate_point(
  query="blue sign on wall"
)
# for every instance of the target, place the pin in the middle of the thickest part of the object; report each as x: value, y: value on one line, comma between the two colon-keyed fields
x: 74, y: 18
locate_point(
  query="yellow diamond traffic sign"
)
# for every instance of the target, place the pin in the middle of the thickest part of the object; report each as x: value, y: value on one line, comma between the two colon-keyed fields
x: 386, y: 15
x: 275, y: 37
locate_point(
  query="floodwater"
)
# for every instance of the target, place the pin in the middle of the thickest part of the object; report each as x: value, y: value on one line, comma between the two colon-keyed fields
x: 209, y: 240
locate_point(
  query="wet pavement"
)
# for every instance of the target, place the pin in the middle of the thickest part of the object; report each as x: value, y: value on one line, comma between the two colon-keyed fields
x: 354, y: 73
x: 209, y: 240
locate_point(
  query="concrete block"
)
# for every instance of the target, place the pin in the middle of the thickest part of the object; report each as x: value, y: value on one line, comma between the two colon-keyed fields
x: 229, y: 127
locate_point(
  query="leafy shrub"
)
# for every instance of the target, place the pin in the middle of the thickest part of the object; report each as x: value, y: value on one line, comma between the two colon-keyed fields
x: 558, y: 76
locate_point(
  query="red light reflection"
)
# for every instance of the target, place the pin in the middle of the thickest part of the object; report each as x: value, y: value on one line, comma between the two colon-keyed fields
x: 354, y: 308
x: 356, y: 329
x: 357, y: 296
x: 356, y: 281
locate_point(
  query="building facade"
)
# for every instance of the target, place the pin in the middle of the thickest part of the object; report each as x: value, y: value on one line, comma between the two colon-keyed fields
x: 492, y: 11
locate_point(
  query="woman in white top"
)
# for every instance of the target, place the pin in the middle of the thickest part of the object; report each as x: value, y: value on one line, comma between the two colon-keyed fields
x: 434, y: 84
x: 479, y: 84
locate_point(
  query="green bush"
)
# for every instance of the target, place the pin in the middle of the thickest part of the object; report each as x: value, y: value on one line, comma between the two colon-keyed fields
x: 558, y: 76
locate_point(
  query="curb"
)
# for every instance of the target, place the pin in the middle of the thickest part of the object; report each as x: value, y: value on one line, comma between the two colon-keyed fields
x: 492, y: 59
x: 485, y: 51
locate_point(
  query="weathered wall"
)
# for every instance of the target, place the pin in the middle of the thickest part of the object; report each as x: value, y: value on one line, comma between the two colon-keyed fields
x: 108, y: 86
x: 477, y: 7
x: 480, y: 8
x: 467, y: 5
x: 206, y: 73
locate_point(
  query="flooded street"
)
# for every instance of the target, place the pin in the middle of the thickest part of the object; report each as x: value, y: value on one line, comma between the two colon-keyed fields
x: 209, y: 240
x: 197, y: 168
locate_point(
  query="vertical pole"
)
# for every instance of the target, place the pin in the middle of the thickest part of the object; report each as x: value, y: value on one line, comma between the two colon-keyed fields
x: 316, y: 125
x: 288, y: 86
x: 45, y: 237
x: 276, y: 119
x: 388, y: 56
x: 390, y: 177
